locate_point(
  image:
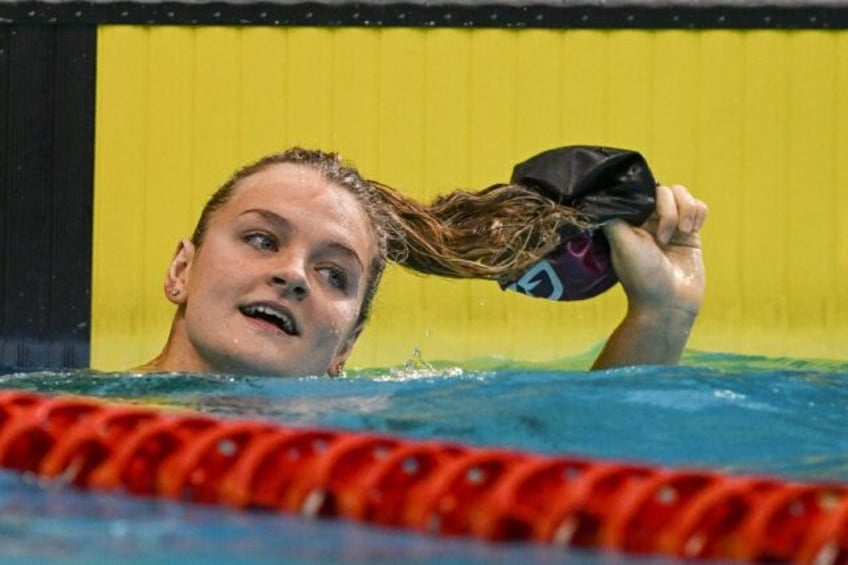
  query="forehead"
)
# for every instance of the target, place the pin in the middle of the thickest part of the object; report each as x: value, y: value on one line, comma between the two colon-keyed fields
x: 283, y: 181
x: 295, y: 191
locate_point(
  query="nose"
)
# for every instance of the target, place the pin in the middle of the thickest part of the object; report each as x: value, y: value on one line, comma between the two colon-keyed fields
x: 291, y: 284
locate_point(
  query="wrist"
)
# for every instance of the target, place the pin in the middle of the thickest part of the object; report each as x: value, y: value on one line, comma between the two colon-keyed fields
x: 665, y: 318
x: 648, y: 336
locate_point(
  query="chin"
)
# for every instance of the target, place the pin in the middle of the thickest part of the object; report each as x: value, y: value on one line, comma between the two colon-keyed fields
x: 261, y: 370
x: 256, y: 362
x: 241, y: 363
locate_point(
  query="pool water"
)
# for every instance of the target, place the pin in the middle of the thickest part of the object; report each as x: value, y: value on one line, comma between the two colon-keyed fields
x: 736, y: 414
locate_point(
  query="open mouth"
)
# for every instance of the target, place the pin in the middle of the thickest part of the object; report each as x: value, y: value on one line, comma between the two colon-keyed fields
x: 274, y: 315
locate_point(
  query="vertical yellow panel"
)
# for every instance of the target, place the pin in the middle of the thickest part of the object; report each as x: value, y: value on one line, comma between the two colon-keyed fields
x: 401, y: 115
x: 720, y: 110
x: 309, y: 86
x: 217, y: 105
x: 538, y: 108
x: 837, y: 249
x: 763, y: 186
x: 263, y: 99
x: 630, y: 79
x: 811, y: 138
x: 447, y: 110
x: 493, y: 104
x: 584, y: 88
x: 119, y: 193
x: 355, y: 95
x: 674, y: 96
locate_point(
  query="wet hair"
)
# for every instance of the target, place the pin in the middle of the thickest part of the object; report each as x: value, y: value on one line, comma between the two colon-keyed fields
x: 495, y: 233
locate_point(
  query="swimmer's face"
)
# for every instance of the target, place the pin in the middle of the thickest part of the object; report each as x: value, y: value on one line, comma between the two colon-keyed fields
x: 277, y: 284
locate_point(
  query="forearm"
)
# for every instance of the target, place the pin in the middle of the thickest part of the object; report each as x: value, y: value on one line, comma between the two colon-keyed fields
x: 647, y: 337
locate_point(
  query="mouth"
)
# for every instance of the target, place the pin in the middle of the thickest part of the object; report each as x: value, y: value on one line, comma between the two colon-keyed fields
x: 274, y: 315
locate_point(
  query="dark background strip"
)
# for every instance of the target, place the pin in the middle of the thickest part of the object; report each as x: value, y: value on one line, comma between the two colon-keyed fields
x: 47, y: 78
x: 739, y: 15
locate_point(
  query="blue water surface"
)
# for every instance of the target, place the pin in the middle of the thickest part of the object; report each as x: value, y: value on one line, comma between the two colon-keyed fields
x: 736, y: 414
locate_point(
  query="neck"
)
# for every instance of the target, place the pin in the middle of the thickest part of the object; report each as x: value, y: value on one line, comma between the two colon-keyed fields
x: 175, y: 355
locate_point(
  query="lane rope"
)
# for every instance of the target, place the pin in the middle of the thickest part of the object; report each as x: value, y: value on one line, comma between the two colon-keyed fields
x: 436, y: 487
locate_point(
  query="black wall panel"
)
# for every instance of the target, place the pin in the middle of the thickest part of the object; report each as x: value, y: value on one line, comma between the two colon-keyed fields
x: 47, y: 78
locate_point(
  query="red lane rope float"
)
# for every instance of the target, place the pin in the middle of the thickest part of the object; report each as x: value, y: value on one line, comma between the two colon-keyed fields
x: 434, y: 487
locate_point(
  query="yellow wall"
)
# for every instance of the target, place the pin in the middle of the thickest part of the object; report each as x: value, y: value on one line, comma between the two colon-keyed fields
x: 756, y: 123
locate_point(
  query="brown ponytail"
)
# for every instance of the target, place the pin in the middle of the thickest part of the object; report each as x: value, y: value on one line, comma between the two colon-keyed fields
x: 496, y: 233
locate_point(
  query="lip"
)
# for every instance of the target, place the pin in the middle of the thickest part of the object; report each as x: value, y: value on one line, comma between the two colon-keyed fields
x: 269, y: 314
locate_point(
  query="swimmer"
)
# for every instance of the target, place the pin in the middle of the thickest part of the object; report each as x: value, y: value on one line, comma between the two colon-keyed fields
x: 280, y: 273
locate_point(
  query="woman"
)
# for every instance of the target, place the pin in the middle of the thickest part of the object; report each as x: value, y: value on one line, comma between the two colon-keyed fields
x: 281, y: 270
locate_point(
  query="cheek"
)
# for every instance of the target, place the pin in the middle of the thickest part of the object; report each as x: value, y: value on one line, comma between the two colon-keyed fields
x: 341, y: 319
x: 217, y: 272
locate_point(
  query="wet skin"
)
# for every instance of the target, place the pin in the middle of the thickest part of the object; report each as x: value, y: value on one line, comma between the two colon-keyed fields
x: 276, y: 286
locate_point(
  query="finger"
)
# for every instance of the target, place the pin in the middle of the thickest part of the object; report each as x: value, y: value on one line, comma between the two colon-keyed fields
x: 701, y: 215
x: 687, y: 208
x: 666, y: 214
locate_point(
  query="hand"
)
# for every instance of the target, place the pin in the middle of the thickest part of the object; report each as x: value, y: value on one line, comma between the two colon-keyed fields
x: 660, y: 264
x: 661, y: 268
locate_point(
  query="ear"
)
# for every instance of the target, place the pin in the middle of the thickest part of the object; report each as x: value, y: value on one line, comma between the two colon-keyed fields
x: 176, y: 280
x: 339, y: 359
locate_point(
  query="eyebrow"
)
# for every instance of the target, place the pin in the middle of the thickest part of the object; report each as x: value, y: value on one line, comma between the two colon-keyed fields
x: 283, y: 224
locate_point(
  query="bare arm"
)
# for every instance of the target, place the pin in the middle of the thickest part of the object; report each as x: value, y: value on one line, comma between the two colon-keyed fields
x: 661, y: 268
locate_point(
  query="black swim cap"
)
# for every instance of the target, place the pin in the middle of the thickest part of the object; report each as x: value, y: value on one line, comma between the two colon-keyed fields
x: 602, y: 183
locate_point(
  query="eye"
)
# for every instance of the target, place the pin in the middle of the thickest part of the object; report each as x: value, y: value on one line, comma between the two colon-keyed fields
x: 336, y: 276
x: 261, y: 241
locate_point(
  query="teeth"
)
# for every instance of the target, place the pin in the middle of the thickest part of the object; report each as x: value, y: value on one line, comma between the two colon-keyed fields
x: 284, y: 322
